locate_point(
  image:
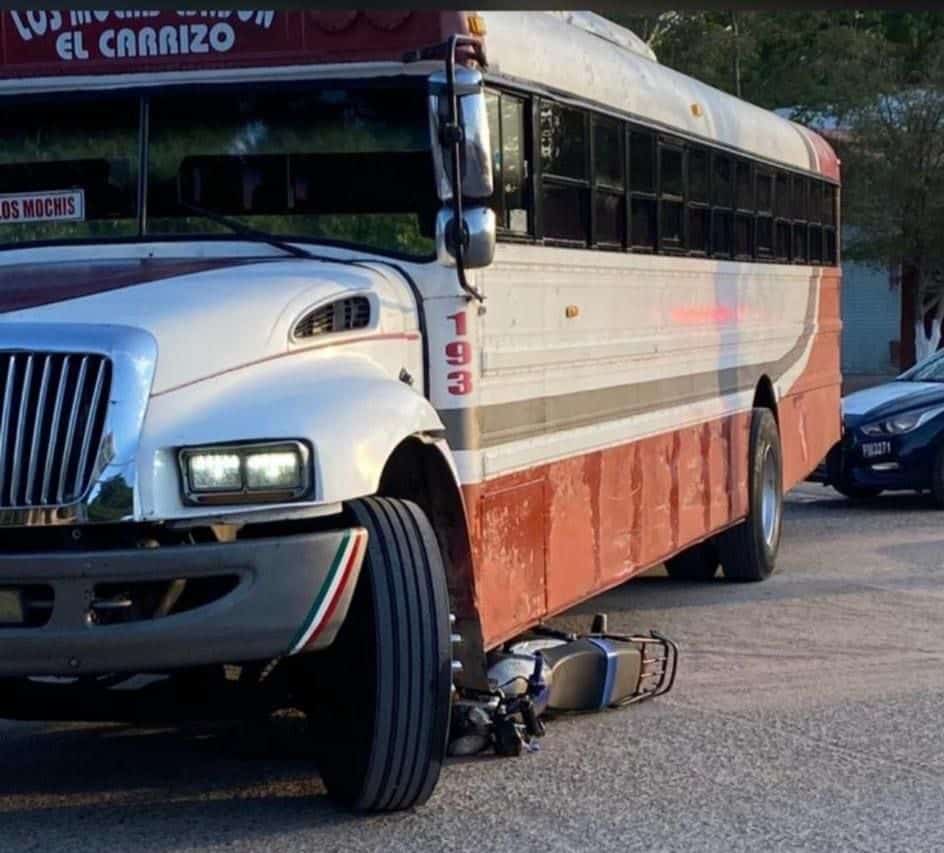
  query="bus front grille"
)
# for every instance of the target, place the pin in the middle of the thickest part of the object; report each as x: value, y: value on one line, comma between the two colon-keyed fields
x: 52, y: 417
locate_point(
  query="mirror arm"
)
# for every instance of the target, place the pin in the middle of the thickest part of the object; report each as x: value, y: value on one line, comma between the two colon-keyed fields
x: 453, y: 134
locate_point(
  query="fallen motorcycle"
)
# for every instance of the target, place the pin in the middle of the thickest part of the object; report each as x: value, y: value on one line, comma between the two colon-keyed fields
x: 549, y: 672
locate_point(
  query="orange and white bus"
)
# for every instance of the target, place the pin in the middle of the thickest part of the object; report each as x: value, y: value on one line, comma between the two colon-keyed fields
x: 268, y: 418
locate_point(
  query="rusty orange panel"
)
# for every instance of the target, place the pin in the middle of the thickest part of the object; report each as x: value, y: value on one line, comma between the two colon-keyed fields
x: 659, y: 497
x: 510, y: 571
x: 693, y: 496
x: 620, y: 512
x: 738, y: 430
x: 551, y: 537
x: 573, y: 493
x: 805, y: 435
x: 715, y: 447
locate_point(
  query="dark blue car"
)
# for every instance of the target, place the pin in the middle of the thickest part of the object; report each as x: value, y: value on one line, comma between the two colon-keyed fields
x: 893, y: 437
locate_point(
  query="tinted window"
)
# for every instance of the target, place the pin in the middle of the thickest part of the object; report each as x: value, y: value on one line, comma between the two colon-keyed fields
x: 782, y: 195
x: 565, y: 212
x: 745, y: 189
x: 721, y: 232
x: 722, y: 191
x: 744, y: 235
x: 672, y: 234
x: 672, y: 181
x: 563, y: 140
x: 799, y: 242
x: 698, y: 229
x: 816, y: 244
x: 608, y: 162
x: 642, y: 157
x: 799, y: 197
x: 609, y: 217
x: 765, y: 192
x: 765, y: 235
x: 698, y: 175
x: 643, y: 216
x: 783, y: 237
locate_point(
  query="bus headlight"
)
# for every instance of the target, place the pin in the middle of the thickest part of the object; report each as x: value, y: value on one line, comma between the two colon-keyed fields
x: 246, y: 473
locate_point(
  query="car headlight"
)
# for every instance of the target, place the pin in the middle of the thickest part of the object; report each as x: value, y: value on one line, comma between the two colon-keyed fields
x: 246, y: 473
x: 902, y: 423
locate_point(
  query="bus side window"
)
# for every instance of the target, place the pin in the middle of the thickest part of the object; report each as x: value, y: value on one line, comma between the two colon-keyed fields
x: 765, y: 211
x: 506, y: 120
x: 782, y: 233
x: 565, y: 184
x: 816, y: 218
x: 799, y: 206
x: 671, y: 197
x: 642, y: 188
x: 722, y: 204
x: 609, y: 182
x: 493, y: 110
x: 829, y: 223
x: 698, y: 180
x: 744, y: 218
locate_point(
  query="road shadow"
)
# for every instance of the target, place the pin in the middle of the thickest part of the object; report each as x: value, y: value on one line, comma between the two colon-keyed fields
x: 174, y: 784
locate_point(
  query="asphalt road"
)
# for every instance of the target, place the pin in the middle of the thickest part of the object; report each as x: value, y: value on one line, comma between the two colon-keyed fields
x: 806, y: 716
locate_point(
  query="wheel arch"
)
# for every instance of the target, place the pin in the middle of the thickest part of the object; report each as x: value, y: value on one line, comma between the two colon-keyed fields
x: 420, y: 470
x: 765, y: 397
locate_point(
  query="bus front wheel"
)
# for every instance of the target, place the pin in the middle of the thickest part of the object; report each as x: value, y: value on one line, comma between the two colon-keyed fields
x: 748, y: 550
x: 381, y: 730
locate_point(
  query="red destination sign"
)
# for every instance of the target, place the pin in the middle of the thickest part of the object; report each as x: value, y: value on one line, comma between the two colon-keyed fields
x: 38, y: 43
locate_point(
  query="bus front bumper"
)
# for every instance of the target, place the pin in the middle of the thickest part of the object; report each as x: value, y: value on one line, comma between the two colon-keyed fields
x: 257, y: 600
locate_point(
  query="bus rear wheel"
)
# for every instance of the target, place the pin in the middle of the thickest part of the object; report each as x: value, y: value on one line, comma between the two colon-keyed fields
x: 381, y: 726
x: 699, y: 563
x: 749, y: 549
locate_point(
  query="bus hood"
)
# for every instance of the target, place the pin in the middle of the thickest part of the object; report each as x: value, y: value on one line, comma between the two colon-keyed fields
x: 208, y: 316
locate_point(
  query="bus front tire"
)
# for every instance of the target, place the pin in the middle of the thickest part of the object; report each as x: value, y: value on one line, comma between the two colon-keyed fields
x: 697, y: 564
x: 382, y: 727
x: 749, y: 549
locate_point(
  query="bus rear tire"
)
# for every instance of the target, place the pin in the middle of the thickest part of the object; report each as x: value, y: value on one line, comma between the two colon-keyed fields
x: 749, y: 549
x: 697, y: 564
x: 381, y: 731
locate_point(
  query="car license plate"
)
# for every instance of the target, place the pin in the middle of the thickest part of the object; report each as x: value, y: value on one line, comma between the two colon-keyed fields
x: 876, y: 448
x: 12, y: 611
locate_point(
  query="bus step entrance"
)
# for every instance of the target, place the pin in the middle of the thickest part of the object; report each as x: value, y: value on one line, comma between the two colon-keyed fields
x: 550, y: 672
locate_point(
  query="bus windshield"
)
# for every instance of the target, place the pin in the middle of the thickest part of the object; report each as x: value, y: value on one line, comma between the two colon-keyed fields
x: 341, y: 164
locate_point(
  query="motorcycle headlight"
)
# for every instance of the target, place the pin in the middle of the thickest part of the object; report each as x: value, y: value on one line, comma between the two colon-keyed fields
x: 902, y: 423
x: 266, y: 472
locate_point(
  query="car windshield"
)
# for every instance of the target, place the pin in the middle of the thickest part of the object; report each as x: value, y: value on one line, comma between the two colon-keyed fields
x: 929, y: 370
x: 332, y: 163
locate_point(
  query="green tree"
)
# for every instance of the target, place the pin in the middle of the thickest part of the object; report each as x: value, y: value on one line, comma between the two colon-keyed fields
x: 894, y: 167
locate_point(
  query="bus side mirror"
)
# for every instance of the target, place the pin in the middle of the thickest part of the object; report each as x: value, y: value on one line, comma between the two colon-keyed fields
x: 477, y: 234
x: 475, y: 150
